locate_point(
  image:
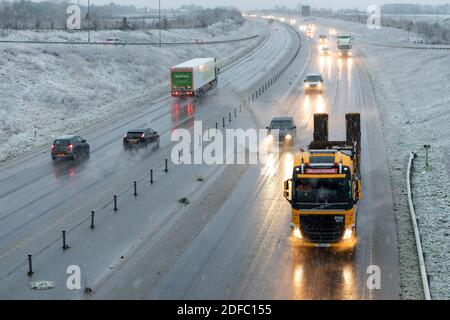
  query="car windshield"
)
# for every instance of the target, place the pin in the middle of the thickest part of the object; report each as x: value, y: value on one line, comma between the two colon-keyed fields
x: 134, y: 135
x: 322, y: 190
x: 281, y: 124
x: 313, y: 78
x: 62, y: 142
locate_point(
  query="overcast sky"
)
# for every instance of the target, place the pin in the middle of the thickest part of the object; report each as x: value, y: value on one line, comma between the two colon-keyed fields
x: 259, y: 4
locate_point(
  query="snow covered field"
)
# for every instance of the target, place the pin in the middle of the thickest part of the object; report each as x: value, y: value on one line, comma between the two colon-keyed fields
x: 413, y: 92
x: 430, y: 18
x: 59, y: 89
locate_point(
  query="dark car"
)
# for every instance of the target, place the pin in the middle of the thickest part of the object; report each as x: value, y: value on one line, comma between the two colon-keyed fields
x: 323, y: 38
x: 286, y: 128
x: 140, y: 137
x: 70, y: 147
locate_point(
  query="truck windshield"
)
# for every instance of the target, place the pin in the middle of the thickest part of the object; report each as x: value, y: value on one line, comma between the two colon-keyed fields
x: 315, y: 78
x: 282, y: 125
x: 319, y: 191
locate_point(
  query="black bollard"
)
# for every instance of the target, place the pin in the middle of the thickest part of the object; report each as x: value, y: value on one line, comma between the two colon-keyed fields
x: 92, y: 219
x: 30, y: 265
x: 65, y: 245
x: 135, y: 188
x: 115, y: 203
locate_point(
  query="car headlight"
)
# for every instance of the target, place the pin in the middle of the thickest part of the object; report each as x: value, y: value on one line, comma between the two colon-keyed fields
x: 347, y: 234
x: 306, y: 85
x: 288, y: 137
x: 319, y: 84
x: 297, y: 233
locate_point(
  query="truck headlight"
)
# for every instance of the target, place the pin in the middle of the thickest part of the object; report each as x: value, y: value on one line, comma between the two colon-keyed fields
x: 297, y: 233
x: 288, y: 137
x: 347, y: 234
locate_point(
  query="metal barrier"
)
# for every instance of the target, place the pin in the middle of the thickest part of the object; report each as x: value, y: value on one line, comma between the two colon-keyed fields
x: 131, y: 43
x: 423, y: 271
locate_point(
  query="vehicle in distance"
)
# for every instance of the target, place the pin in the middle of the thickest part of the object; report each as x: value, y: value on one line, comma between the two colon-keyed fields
x: 113, y: 41
x: 70, y: 147
x: 194, y: 78
x: 325, y: 187
x: 286, y: 129
x: 140, y: 137
x: 313, y: 82
x: 324, y: 50
x: 322, y: 38
x: 344, y: 45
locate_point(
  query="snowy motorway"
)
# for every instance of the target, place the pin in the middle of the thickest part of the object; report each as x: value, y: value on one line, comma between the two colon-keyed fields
x: 233, y: 241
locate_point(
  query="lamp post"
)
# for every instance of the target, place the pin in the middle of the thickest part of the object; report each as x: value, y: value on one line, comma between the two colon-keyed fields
x: 159, y: 18
x: 89, y: 22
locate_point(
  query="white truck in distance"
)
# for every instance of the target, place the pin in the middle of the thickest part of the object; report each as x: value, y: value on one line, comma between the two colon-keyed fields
x: 194, y: 77
x: 344, y: 45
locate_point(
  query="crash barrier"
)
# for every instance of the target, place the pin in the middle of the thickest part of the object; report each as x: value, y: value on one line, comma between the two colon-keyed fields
x: 405, y: 46
x: 131, y: 43
x: 89, y: 220
x: 423, y: 271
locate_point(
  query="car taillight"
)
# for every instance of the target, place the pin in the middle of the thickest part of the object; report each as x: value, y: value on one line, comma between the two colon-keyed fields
x: 142, y: 136
x: 70, y: 147
x: 53, y: 146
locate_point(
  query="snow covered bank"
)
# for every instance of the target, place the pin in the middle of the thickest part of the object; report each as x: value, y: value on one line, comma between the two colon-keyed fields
x: 65, y: 88
x: 412, y: 89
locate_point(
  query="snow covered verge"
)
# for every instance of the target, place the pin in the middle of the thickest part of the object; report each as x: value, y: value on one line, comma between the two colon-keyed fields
x: 412, y: 88
x: 59, y: 89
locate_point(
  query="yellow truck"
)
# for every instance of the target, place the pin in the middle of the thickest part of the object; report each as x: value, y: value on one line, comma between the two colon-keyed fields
x: 326, y: 186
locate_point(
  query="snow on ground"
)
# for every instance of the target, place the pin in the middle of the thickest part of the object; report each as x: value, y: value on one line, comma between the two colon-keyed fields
x: 56, y: 89
x: 412, y: 88
x: 443, y: 19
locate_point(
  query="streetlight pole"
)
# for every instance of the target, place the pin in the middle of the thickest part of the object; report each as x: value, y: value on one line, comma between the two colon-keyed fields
x: 89, y: 22
x: 159, y: 24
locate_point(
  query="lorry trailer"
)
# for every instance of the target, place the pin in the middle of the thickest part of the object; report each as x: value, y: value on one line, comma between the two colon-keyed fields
x: 194, y: 78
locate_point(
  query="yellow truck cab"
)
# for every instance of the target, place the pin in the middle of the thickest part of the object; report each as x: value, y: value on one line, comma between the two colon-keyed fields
x: 325, y: 187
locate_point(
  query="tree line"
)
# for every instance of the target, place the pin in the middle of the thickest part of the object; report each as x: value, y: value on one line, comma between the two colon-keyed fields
x: 51, y: 15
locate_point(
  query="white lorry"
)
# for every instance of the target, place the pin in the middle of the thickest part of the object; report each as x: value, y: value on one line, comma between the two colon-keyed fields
x: 194, y: 77
x: 344, y: 45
